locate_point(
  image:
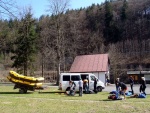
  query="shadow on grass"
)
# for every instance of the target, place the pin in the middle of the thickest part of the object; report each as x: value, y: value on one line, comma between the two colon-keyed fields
x: 15, y: 93
x: 59, y: 92
x: 109, y: 100
x: 51, y: 92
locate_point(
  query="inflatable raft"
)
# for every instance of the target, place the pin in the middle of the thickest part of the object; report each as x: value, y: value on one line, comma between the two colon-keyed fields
x: 25, y: 83
x: 26, y: 80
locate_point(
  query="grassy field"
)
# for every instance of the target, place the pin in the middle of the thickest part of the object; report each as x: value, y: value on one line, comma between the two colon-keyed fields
x: 51, y: 100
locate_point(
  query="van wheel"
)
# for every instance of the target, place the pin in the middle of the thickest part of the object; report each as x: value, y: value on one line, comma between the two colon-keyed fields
x: 99, y: 88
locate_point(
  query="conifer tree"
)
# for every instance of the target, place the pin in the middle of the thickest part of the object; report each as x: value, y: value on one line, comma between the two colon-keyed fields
x: 25, y: 44
x: 108, y: 22
x: 123, y: 15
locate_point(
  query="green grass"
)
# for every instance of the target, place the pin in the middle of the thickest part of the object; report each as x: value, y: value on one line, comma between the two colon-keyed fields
x: 51, y: 100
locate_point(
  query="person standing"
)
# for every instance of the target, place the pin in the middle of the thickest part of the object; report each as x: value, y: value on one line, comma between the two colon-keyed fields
x: 107, y: 81
x: 80, y: 87
x: 131, y: 83
x: 117, y: 87
x: 116, y: 83
x: 86, y: 86
x: 143, y: 85
x: 95, y: 85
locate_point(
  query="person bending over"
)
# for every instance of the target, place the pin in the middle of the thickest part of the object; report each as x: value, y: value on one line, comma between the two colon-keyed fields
x: 123, y: 88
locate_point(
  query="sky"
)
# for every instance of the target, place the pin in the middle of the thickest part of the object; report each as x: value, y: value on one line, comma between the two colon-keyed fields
x: 39, y: 7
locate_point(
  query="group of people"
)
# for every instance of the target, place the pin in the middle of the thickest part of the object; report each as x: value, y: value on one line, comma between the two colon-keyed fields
x: 82, y: 85
x: 72, y: 86
x: 86, y: 86
x: 122, y: 87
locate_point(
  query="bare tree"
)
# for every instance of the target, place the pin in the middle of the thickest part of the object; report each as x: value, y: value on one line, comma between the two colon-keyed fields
x: 46, y: 43
x: 8, y: 8
x: 58, y: 8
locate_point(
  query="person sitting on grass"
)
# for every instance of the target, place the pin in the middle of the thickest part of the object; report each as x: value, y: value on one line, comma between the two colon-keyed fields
x: 72, y: 88
x: 123, y: 88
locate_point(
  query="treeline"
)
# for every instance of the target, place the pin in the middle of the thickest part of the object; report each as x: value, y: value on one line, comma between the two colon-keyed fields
x: 119, y: 28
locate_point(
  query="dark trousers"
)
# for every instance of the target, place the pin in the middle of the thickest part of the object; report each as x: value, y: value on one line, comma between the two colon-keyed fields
x: 95, y: 89
x: 142, y: 88
x: 80, y: 91
x: 131, y: 85
x: 71, y: 92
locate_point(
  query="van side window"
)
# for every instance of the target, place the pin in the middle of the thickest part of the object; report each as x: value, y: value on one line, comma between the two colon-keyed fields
x: 66, y: 77
x: 75, y: 77
x: 92, y: 78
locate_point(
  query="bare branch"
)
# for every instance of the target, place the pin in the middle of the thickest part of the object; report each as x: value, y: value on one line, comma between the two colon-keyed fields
x: 57, y: 7
x: 8, y: 8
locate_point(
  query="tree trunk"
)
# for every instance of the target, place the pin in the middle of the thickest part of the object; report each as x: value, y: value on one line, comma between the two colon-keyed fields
x: 58, y: 72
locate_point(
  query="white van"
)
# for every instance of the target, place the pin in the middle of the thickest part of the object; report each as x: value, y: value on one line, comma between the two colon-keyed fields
x: 66, y: 77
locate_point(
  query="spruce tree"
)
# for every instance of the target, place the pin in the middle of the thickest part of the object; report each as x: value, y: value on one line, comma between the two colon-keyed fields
x: 25, y: 44
x: 108, y: 22
x: 123, y: 15
x: 123, y: 18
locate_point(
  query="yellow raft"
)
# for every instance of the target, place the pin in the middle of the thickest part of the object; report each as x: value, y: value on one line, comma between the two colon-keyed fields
x: 25, y: 80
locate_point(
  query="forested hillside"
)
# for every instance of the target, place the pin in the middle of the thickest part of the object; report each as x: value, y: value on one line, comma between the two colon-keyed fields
x: 120, y: 28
